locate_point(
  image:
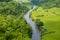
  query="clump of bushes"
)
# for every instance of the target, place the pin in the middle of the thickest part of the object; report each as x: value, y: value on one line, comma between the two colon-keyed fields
x: 41, y: 26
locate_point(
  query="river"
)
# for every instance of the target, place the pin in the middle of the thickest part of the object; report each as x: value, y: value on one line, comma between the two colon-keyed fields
x: 35, y: 32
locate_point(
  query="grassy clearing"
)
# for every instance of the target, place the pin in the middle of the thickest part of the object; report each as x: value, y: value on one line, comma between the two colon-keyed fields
x: 51, y: 19
x: 24, y: 0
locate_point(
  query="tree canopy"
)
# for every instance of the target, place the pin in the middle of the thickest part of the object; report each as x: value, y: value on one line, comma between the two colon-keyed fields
x: 13, y: 26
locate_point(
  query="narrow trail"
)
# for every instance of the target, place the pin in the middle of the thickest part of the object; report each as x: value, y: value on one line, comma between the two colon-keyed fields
x: 35, y: 32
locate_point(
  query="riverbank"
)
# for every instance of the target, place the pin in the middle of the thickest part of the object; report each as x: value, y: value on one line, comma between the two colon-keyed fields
x: 35, y: 32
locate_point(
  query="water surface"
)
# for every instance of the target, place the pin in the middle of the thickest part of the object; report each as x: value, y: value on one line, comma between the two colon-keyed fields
x: 35, y: 32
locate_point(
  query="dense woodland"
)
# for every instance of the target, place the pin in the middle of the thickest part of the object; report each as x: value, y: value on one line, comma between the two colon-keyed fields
x: 12, y: 24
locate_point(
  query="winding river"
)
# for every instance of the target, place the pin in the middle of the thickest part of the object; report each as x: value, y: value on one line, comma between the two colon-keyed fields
x: 35, y: 32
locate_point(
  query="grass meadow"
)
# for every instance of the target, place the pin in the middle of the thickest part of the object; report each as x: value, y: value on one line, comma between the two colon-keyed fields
x: 51, y: 19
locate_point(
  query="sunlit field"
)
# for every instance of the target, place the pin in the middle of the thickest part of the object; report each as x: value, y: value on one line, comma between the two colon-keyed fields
x: 24, y: 0
x: 51, y: 19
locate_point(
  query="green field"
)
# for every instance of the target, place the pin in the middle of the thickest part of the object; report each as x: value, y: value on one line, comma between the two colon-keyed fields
x: 24, y: 0
x: 51, y: 19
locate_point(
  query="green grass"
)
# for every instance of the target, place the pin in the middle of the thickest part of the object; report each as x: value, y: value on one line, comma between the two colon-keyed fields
x: 24, y: 0
x: 51, y: 20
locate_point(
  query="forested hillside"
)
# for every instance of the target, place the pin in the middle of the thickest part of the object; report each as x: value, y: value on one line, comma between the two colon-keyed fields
x: 12, y: 23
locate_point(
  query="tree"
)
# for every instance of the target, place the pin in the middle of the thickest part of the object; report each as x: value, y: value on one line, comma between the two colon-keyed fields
x: 39, y: 23
x: 38, y: 2
x: 5, y: 0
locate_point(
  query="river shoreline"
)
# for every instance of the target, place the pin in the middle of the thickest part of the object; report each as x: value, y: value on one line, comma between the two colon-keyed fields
x: 35, y: 31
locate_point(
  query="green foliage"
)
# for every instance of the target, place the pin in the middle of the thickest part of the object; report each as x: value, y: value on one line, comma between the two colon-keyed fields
x: 12, y: 24
x: 41, y: 26
x: 46, y: 3
x: 39, y: 23
x: 51, y: 4
x: 5, y: 0
x: 12, y: 8
x: 38, y: 2
x: 14, y: 28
